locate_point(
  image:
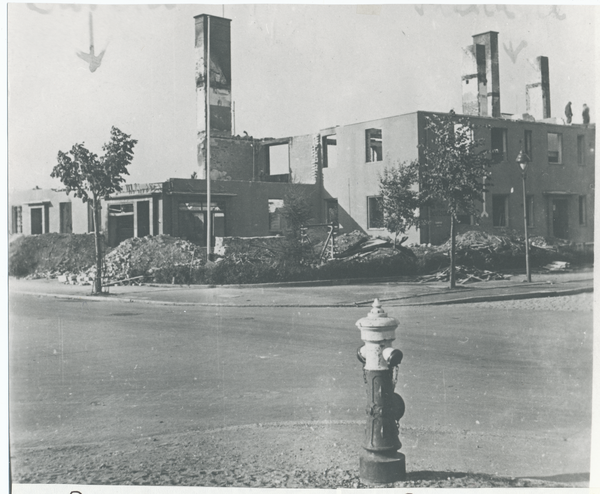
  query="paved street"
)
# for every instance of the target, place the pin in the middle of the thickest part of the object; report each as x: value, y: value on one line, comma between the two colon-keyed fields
x: 88, y: 372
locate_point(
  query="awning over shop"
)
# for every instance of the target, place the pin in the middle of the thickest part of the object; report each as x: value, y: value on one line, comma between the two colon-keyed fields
x: 38, y: 203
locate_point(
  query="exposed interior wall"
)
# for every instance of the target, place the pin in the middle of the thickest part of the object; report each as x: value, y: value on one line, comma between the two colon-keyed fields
x: 301, y: 156
x: 231, y: 158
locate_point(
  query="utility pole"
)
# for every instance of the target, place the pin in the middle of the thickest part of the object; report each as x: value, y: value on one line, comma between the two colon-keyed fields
x: 208, y: 191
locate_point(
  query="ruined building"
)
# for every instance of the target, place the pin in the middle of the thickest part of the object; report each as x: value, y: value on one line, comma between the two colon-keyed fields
x: 337, y: 169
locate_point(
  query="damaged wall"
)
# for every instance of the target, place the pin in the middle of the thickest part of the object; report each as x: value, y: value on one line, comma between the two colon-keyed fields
x: 353, y: 179
x: 246, y: 203
x: 231, y: 158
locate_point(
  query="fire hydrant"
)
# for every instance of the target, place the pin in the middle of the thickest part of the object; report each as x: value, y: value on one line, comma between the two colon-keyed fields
x: 381, y: 462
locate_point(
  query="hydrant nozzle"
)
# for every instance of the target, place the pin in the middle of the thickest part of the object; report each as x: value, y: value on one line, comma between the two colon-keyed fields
x: 381, y: 462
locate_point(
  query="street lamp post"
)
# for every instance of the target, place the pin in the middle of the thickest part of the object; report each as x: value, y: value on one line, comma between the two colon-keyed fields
x: 523, y: 161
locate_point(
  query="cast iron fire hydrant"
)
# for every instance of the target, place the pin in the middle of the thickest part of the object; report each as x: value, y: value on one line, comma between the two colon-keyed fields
x: 381, y: 462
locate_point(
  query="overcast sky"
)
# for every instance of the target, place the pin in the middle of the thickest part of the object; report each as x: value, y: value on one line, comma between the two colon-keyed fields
x: 295, y: 70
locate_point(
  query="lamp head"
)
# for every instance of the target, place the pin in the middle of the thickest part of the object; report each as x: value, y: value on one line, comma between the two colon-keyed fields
x: 523, y: 160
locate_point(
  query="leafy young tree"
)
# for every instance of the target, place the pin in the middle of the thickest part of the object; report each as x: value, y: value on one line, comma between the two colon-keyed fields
x: 452, y: 170
x: 399, y: 197
x: 296, y: 210
x: 93, y: 178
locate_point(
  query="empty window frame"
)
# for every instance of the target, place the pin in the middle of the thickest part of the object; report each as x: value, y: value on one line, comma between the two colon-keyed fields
x: 374, y: 145
x: 329, y: 147
x: 279, y: 159
x: 17, y: 219
x: 66, y: 221
x: 529, y: 211
x: 554, y: 148
x: 276, y: 220
x: 528, y: 144
x: 464, y: 219
x: 499, y: 146
x: 582, y: 210
x: 331, y: 211
x: 500, y: 210
x: 464, y: 131
x: 581, y: 150
x: 374, y: 214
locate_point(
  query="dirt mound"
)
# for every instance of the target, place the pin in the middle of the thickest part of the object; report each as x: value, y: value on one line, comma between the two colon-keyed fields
x: 51, y: 254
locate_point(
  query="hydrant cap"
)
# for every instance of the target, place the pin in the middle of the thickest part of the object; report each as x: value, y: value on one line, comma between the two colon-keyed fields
x: 377, y: 319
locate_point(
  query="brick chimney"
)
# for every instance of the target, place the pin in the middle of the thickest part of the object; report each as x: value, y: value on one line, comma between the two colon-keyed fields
x: 219, y: 84
x: 481, y: 76
x: 537, y: 94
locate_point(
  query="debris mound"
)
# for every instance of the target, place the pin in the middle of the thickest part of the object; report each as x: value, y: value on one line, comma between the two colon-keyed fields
x: 160, y: 259
x: 349, y: 243
x: 51, y: 254
x: 465, y: 275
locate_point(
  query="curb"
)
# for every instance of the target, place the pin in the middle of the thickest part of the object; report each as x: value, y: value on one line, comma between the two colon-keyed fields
x: 465, y: 300
x: 510, y: 296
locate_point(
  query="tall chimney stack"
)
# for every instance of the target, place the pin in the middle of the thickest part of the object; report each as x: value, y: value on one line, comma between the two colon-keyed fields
x: 213, y: 96
x: 481, y: 76
x: 537, y: 94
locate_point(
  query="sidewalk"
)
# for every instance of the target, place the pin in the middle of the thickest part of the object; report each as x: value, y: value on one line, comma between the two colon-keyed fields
x: 326, y: 294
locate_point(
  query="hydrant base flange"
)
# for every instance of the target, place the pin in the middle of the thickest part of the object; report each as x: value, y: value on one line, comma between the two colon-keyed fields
x: 376, y: 468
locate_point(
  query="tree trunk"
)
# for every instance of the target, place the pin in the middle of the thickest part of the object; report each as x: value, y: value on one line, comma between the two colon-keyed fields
x: 452, y: 251
x: 97, y: 288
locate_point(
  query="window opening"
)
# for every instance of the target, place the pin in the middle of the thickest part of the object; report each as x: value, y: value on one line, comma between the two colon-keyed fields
x: 279, y: 159
x: 581, y: 150
x: 528, y: 144
x: 66, y: 221
x: 329, y: 151
x: 276, y: 220
x: 500, y: 210
x: 374, y: 142
x: 331, y: 213
x: 554, y: 148
x: 499, y: 147
x: 463, y: 219
x: 17, y: 219
x: 582, y: 210
x: 374, y: 213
